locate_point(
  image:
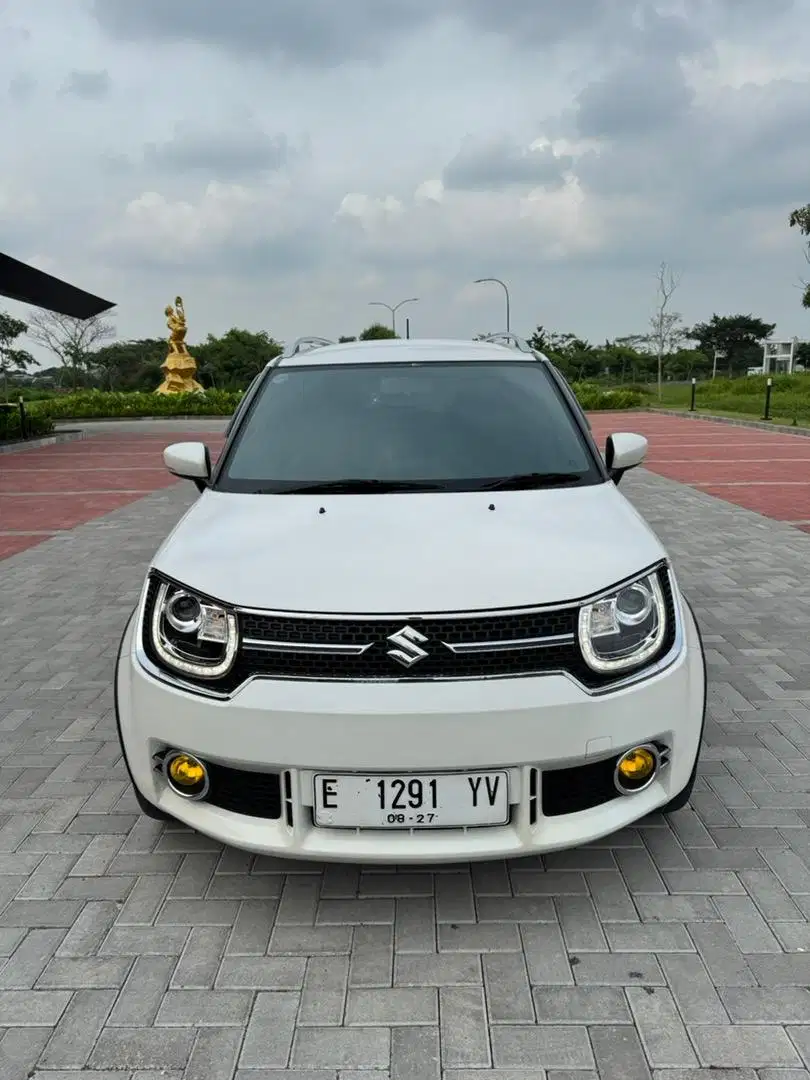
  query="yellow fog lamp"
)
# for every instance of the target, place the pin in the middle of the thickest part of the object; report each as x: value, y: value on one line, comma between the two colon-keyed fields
x: 186, y: 774
x: 636, y: 769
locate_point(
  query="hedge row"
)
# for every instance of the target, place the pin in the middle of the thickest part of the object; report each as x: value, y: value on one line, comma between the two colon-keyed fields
x: 10, y: 425
x: 595, y: 398
x: 100, y: 404
x: 97, y: 404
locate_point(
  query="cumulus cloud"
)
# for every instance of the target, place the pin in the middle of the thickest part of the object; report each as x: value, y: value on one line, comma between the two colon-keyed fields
x: 289, y: 157
x: 89, y: 85
x: 319, y: 32
x: 225, y: 154
x: 22, y: 87
x: 498, y: 164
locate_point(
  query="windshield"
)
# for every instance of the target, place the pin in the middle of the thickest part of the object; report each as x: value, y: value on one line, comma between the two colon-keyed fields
x: 409, y: 427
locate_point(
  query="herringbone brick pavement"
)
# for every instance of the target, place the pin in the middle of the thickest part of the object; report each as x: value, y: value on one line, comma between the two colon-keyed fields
x: 674, y: 950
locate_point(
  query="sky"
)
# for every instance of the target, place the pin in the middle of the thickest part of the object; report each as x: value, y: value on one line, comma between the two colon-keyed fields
x: 283, y: 163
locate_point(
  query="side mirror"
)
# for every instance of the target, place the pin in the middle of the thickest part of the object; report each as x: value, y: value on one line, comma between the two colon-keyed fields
x: 190, y: 461
x: 624, y: 451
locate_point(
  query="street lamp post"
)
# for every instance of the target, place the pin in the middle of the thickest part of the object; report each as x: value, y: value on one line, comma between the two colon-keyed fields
x: 393, y: 308
x: 480, y: 281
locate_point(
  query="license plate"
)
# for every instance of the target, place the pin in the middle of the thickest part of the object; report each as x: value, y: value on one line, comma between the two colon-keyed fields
x: 444, y: 801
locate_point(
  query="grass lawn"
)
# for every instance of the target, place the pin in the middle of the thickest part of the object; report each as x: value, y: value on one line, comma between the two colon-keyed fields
x: 734, y: 407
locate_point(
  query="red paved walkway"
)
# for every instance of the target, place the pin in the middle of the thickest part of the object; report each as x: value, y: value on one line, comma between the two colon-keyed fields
x: 54, y: 488
x: 764, y: 471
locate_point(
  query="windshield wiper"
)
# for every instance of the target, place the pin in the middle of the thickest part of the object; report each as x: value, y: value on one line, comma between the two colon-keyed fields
x: 531, y: 480
x: 353, y: 486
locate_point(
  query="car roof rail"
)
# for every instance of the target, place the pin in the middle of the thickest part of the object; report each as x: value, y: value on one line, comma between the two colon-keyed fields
x: 513, y: 341
x: 508, y: 339
x: 304, y: 344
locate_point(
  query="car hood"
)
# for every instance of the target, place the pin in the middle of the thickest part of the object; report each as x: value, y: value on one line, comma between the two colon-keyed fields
x: 408, y: 553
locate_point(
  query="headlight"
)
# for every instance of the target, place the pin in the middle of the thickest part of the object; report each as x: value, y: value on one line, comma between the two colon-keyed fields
x: 626, y: 629
x: 191, y: 635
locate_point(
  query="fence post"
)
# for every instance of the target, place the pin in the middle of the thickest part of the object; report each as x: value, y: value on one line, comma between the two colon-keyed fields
x: 694, y: 385
x: 23, y: 419
x: 768, y: 388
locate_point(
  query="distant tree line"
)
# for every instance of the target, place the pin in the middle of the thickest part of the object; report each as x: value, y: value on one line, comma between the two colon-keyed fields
x: 86, y: 357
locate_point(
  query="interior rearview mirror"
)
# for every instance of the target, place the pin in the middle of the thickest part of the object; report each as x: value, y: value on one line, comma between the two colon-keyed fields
x: 190, y: 461
x: 624, y: 451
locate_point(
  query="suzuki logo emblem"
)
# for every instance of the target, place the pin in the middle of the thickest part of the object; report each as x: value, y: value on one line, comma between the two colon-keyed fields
x: 410, y: 646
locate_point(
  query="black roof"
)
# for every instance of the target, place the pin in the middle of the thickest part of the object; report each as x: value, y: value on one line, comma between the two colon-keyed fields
x: 19, y: 281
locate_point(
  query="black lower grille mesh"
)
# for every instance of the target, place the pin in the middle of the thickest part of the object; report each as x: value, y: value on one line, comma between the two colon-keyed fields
x: 241, y: 791
x: 568, y: 791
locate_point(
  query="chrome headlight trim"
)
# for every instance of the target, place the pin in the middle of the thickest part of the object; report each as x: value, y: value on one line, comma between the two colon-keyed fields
x: 173, y: 678
x: 173, y: 657
x: 641, y: 652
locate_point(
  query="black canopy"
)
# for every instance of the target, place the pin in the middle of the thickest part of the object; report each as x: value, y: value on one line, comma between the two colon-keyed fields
x: 18, y: 281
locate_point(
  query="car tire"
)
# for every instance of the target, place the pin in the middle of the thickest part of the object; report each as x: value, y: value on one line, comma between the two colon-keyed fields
x: 679, y: 801
x: 683, y: 797
x: 147, y: 808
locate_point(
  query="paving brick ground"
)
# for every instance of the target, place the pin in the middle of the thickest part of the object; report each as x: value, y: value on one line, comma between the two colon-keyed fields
x: 52, y: 488
x: 675, y: 950
x: 765, y: 471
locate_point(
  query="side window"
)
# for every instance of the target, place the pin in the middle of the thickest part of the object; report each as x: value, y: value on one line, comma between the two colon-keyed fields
x: 240, y: 408
x: 569, y: 393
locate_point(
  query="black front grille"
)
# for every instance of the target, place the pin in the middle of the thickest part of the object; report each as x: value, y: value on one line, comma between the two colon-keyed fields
x: 568, y: 791
x: 256, y: 794
x: 375, y: 663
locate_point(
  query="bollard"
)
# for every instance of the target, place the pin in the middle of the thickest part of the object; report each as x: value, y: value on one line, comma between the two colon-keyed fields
x: 768, y: 388
x: 407, y: 329
x: 692, y: 405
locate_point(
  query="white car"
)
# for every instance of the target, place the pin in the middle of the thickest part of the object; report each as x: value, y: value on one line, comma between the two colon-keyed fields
x: 410, y: 618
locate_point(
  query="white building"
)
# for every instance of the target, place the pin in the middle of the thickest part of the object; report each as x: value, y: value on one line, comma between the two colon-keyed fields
x: 779, y: 357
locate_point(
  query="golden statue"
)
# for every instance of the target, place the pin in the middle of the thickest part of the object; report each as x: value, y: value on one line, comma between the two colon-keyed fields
x: 179, y: 367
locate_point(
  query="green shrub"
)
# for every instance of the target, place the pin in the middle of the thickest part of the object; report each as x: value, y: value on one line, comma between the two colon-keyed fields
x: 98, y: 404
x: 37, y: 426
x: 595, y: 398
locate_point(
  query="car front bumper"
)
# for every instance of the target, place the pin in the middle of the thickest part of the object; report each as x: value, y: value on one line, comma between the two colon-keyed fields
x: 527, y: 727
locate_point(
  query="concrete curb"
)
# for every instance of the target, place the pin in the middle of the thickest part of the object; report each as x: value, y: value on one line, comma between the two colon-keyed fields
x: 759, y: 425
x: 47, y: 440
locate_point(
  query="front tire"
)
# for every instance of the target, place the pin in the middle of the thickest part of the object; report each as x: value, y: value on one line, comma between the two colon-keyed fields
x: 147, y: 808
x: 679, y: 801
x: 683, y: 797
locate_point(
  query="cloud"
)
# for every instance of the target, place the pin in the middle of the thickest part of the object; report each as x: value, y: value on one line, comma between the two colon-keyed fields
x: 21, y: 87
x: 497, y: 164
x: 286, y: 161
x: 319, y: 32
x: 227, y: 154
x: 88, y: 85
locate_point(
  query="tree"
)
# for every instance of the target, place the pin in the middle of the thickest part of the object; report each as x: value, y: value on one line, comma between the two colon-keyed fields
x: 70, y: 340
x: 667, y: 329
x: 378, y: 332
x: 344, y: 340
x: 231, y: 361
x: 738, y: 337
x: 686, y: 363
x: 129, y: 365
x: 12, y: 361
x: 800, y: 219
